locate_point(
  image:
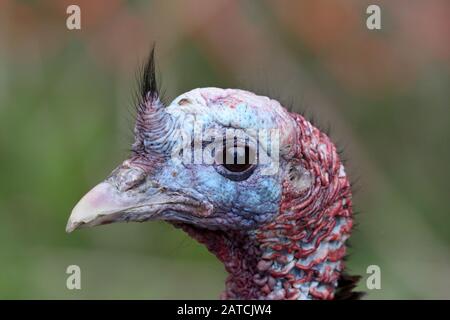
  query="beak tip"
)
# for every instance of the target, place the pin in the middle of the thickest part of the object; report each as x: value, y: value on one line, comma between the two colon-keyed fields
x: 71, y: 226
x: 103, y: 204
x: 90, y: 207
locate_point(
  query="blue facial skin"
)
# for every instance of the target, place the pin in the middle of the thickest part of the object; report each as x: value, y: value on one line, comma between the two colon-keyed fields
x: 237, y: 204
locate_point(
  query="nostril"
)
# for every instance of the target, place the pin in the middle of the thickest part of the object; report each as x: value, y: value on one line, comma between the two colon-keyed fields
x: 128, y: 178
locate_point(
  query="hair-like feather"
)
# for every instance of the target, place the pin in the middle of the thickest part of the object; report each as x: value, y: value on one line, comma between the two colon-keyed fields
x: 148, y: 85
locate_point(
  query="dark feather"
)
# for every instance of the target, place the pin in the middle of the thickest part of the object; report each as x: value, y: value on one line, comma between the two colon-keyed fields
x: 346, y: 284
x: 148, y: 85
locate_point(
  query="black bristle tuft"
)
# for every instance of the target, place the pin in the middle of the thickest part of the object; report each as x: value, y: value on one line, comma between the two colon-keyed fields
x: 148, y: 85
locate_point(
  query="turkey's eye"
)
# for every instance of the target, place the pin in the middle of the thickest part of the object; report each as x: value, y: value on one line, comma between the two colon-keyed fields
x: 236, y: 159
x: 237, y: 163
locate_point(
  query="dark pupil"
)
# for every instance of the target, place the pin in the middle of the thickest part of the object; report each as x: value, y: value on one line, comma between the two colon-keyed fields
x: 235, y: 166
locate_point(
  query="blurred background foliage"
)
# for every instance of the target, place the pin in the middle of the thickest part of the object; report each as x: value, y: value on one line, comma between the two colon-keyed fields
x: 66, y: 116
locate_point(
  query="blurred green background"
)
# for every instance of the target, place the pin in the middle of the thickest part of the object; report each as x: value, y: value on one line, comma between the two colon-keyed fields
x: 66, y: 119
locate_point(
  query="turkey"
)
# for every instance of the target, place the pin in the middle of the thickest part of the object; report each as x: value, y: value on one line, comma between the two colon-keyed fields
x: 277, y: 215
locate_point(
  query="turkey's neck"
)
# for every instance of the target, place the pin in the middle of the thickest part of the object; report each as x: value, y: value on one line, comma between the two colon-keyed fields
x: 240, y: 255
x: 290, y: 261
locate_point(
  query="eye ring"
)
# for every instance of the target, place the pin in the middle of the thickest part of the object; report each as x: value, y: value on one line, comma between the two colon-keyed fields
x: 235, y: 176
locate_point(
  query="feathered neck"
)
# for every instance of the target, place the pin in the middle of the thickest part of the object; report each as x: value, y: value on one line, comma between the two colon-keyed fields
x: 286, y: 259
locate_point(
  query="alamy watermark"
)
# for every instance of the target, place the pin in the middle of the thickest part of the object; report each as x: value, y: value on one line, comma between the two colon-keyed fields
x: 73, y: 281
x: 373, y: 281
x: 73, y: 21
x: 373, y: 21
x: 228, y: 147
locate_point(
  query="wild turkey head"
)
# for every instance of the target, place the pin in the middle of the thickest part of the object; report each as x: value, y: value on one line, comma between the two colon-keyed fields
x: 261, y: 187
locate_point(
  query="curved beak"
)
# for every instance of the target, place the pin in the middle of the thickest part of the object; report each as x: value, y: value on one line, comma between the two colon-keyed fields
x: 129, y: 195
x: 103, y: 204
